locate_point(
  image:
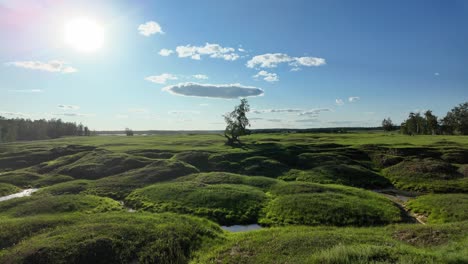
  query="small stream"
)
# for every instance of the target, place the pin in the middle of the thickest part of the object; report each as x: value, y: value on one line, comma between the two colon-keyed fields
x: 241, y: 228
x: 23, y: 193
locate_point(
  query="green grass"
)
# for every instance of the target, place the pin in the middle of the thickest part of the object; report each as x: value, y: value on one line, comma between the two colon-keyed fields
x: 427, y: 175
x: 283, y: 180
x: 114, y: 238
x: 6, y: 189
x: 394, y: 244
x: 33, y: 205
x: 264, y: 183
x: 223, y: 203
x: 441, y: 208
x: 299, y: 203
x: 351, y: 175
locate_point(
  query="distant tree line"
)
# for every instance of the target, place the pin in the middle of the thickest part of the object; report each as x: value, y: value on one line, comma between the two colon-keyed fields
x: 454, y: 122
x: 26, y: 129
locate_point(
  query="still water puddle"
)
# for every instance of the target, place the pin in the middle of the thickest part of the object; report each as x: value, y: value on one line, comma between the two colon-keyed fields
x: 241, y: 228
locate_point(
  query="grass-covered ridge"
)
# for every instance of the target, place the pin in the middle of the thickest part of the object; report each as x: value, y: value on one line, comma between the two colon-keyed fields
x: 302, y: 203
x: 112, y: 238
x: 441, y: 208
x: 284, y: 182
x: 394, y: 244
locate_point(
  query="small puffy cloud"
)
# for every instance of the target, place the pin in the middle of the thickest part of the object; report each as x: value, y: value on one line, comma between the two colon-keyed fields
x: 51, y: 66
x: 200, y: 76
x: 27, y: 91
x: 314, y: 112
x: 339, y: 101
x: 436, y: 74
x: 241, y: 50
x: 161, y: 79
x: 68, y: 107
x: 267, y: 76
x: 165, y: 52
x: 286, y: 110
x: 149, y: 28
x: 211, y: 50
x: 353, y: 99
x: 224, y: 91
x: 272, y: 60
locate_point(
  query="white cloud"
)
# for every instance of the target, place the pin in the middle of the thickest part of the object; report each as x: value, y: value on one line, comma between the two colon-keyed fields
x: 225, y: 91
x: 339, y: 101
x: 314, y: 112
x: 267, y: 76
x: 287, y: 110
x: 27, y: 91
x: 13, y: 114
x: 161, y: 79
x: 149, y: 28
x: 211, y: 50
x: 72, y: 114
x: 353, y: 99
x: 310, y: 120
x: 436, y: 73
x: 272, y: 60
x: 138, y: 110
x: 165, y: 52
x: 274, y: 120
x: 51, y: 66
x: 181, y: 112
x: 241, y: 49
x: 68, y: 107
x: 200, y: 76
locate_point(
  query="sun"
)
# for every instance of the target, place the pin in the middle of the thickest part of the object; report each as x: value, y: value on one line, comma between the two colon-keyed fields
x: 84, y: 34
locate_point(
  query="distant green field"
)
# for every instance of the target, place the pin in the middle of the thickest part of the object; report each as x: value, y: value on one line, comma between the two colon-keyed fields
x: 321, y: 198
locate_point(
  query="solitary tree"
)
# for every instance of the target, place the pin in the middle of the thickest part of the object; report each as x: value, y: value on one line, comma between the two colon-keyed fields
x: 431, y: 123
x: 387, y: 124
x: 128, y: 132
x: 237, y: 123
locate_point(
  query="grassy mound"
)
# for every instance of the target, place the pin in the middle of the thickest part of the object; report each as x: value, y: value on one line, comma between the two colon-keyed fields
x: 299, y: 203
x: 459, y: 156
x: 33, y: 205
x: 311, y: 160
x: 119, y: 186
x: 101, y: 163
x: 263, y: 166
x: 230, y: 178
x: 116, y: 238
x: 223, y: 203
x: 26, y: 178
x: 351, y: 175
x: 441, y: 208
x: 198, y: 159
x: 71, y: 187
x: 6, y: 189
x: 427, y: 175
x: 342, y: 245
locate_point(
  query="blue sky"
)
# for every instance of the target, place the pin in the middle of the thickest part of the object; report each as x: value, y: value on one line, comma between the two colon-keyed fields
x: 182, y: 64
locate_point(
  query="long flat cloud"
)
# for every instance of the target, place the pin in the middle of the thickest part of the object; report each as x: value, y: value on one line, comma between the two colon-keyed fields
x: 50, y: 66
x: 224, y: 91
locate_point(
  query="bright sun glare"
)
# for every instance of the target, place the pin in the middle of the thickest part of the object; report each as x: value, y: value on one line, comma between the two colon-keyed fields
x: 84, y: 34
